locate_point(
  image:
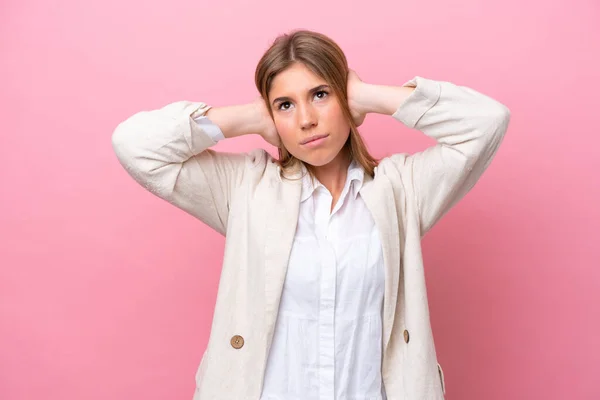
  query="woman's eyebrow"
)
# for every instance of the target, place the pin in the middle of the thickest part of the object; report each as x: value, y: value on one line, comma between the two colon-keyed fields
x: 311, y: 91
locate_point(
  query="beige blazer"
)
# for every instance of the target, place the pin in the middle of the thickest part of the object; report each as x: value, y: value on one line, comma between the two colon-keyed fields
x: 243, y: 197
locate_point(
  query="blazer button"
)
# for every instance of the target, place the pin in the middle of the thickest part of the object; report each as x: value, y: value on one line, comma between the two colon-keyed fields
x: 237, y: 342
x: 406, y: 336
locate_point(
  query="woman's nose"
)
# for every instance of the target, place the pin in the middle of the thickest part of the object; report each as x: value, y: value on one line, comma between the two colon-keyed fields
x: 307, y: 117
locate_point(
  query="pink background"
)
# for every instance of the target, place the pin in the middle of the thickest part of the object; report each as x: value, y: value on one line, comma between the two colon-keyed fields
x: 107, y: 292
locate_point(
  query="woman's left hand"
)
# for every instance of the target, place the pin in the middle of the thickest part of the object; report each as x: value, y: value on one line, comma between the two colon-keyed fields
x: 355, y: 87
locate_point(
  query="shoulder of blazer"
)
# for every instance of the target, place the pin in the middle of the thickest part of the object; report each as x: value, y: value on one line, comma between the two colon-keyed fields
x: 393, y: 168
x: 259, y: 164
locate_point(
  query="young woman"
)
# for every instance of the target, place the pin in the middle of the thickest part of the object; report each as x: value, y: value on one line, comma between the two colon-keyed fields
x: 322, y: 292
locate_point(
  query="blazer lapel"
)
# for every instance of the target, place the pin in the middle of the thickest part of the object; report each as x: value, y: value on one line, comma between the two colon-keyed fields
x: 282, y: 207
x: 378, y: 195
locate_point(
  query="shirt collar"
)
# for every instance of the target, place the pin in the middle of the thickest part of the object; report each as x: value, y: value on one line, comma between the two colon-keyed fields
x: 354, y: 178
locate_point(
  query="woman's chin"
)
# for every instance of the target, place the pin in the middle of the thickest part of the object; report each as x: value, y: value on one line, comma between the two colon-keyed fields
x: 319, y: 160
x: 318, y: 157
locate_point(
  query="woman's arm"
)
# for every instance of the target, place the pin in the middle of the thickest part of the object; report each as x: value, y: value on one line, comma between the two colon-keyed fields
x: 245, y: 119
x: 167, y: 151
x: 467, y: 125
x: 382, y: 99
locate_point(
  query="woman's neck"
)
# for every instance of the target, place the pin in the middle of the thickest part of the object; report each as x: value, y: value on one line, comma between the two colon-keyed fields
x: 333, y: 174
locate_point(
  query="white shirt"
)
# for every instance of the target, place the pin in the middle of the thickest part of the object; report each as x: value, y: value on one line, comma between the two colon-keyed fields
x: 327, y: 341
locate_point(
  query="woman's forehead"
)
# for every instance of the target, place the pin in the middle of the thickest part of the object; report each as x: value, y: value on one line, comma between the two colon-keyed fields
x: 295, y: 79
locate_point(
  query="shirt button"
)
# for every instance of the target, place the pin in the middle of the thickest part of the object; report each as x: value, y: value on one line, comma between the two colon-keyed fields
x: 406, y: 336
x: 237, y: 342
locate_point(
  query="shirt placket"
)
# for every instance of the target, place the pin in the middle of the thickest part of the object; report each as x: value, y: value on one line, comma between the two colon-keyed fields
x: 323, y: 231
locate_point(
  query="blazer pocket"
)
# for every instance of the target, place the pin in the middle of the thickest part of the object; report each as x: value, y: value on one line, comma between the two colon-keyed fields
x: 441, y: 373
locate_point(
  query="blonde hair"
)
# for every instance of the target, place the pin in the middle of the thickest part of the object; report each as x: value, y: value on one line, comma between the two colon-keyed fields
x: 326, y: 59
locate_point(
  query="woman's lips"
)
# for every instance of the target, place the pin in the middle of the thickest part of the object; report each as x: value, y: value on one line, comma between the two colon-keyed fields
x: 315, y: 140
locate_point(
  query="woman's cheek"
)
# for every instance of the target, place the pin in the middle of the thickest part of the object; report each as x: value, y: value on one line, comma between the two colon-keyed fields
x: 285, y: 132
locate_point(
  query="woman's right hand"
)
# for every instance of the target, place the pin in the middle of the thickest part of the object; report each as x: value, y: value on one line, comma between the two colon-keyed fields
x: 268, y: 130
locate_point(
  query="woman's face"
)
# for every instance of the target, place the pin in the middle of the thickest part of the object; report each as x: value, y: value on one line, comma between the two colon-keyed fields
x: 307, y: 115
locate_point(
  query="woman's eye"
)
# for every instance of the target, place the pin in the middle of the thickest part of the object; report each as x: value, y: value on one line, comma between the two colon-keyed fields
x: 321, y: 92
